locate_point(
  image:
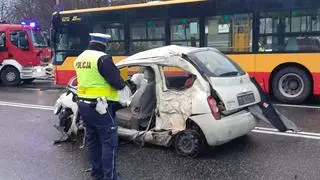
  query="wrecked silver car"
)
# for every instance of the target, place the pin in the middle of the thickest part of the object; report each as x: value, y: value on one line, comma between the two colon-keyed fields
x: 188, y: 98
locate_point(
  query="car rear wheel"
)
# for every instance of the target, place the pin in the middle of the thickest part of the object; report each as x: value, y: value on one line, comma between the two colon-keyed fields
x: 10, y: 76
x: 189, y: 143
x: 291, y: 85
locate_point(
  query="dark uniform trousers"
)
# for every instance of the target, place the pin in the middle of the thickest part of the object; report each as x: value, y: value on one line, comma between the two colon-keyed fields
x: 101, y: 139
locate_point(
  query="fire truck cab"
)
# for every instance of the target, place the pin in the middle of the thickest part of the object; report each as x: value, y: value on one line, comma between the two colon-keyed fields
x: 24, y: 53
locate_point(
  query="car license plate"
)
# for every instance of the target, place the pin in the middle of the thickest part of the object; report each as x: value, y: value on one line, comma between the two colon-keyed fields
x: 246, y: 99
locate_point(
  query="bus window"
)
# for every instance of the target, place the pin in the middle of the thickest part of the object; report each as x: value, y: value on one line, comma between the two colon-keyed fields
x: 229, y: 33
x: 116, y: 31
x: 289, y: 31
x: 185, y: 32
x: 146, y: 35
x: 74, y: 38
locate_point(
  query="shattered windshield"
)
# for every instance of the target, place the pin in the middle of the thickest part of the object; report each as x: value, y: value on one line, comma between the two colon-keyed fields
x: 38, y: 39
x: 216, y: 64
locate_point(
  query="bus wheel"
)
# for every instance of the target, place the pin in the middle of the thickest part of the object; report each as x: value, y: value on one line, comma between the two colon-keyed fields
x: 291, y: 85
x: 10, y: 76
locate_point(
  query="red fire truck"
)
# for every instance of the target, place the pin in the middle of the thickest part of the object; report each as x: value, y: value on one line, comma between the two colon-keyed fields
x: 24, y: 53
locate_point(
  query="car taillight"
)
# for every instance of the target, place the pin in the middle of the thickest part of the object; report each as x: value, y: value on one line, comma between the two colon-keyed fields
x: 214, y: 108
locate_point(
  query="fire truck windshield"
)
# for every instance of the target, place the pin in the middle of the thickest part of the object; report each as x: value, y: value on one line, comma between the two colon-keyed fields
x: 38, y: 39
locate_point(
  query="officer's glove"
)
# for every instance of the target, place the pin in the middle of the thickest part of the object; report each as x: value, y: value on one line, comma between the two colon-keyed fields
x: 102, y: 106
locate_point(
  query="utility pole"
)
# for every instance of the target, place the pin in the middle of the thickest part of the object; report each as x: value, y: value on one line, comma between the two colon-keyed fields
x: 57, y: 2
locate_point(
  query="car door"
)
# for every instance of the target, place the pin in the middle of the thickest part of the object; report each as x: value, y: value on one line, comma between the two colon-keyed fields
x: 174, y: 104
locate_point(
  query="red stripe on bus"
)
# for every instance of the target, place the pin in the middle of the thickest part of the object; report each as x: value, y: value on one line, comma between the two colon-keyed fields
x: 263, y: 79
x: 316, y: 83
x: 63, y: 76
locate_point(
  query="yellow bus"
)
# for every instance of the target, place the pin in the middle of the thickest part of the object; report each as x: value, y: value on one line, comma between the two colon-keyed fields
x: 275, y: 41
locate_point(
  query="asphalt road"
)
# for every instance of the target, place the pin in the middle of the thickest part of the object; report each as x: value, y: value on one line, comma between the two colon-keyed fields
x: 27, y: 152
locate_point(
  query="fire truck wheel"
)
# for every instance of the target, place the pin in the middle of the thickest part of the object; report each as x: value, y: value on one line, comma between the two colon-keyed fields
x: 10, y: 76
x: 28, y: 81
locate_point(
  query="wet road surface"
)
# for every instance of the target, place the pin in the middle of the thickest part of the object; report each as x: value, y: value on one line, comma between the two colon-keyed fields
x: 27, y: 152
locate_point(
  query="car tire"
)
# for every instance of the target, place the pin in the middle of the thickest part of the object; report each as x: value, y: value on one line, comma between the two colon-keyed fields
x: 28, y: 81
x: 65, y: 120
x: 291, y: 85
x: 188, y: 143
x: 10, y: 76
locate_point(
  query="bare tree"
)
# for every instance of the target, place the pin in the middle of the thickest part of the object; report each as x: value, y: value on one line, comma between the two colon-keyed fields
x: 5, y: 9
x: 41, y: 10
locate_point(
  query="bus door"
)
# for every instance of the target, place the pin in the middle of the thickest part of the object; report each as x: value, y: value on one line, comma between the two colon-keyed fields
x: 20, y: 48
x: 242, y: 33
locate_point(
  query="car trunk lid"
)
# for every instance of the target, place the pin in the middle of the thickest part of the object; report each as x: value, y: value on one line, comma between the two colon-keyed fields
x: 235, y: 92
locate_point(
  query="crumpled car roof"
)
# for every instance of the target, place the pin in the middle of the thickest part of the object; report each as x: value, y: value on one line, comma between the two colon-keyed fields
x: 157, y: 55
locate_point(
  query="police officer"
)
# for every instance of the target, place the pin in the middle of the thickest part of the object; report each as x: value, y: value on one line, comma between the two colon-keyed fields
x: 99, y: 82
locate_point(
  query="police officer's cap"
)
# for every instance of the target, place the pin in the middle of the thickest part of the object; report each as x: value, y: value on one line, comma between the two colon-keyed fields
x: 99, y: 38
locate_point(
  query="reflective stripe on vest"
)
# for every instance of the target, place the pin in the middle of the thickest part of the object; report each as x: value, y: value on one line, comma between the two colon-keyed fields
x: 91, y: 84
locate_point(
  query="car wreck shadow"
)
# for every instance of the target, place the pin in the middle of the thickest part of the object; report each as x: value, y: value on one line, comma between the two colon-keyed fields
x: 239, y: 145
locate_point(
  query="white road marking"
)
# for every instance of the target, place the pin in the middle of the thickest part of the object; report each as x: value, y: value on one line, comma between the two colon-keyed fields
x: 31, y: 89
x: 263, y: 130
x: 31, y: 106
x: 53, y: 90
x: 307, y: 135
x: 40, y: 89
x: 297, y: 106
x: 286, y: 134
x: 275, y: 130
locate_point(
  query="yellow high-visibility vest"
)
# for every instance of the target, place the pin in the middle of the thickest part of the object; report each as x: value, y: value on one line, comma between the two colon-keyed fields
x: 91, y: 84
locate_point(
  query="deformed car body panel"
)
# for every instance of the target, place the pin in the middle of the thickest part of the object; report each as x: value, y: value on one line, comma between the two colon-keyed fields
x: 230, y: 88
x: 174, y: 109
x: 218, y: 132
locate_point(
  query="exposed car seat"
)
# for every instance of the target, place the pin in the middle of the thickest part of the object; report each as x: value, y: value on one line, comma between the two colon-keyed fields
x: 142, y: 105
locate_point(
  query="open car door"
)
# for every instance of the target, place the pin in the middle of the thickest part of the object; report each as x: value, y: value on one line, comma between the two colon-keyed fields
x: 266, y: 112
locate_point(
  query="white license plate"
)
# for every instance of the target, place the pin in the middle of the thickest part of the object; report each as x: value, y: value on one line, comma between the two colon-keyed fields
x: 246, y: 99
